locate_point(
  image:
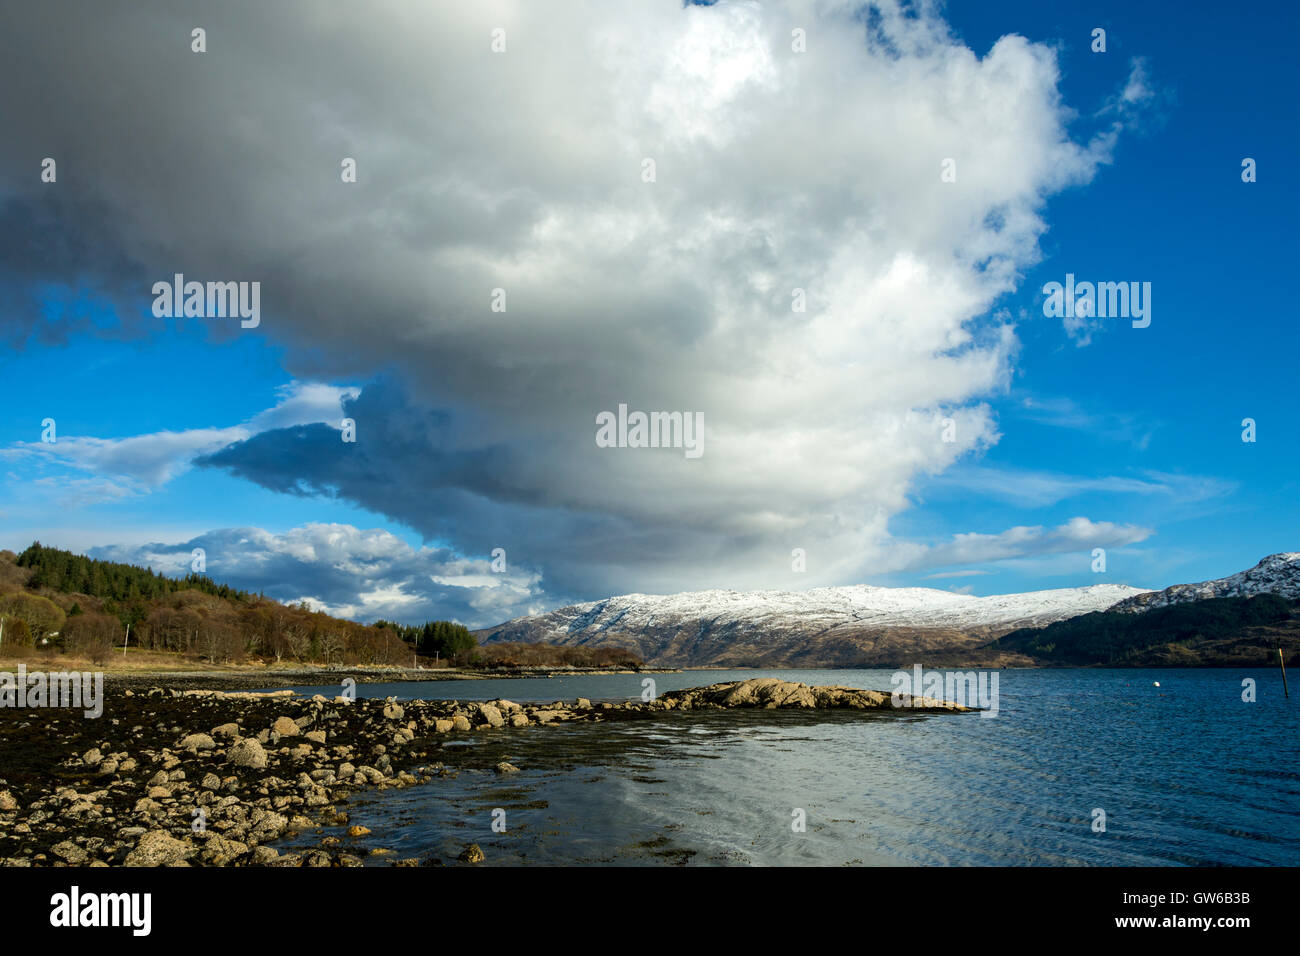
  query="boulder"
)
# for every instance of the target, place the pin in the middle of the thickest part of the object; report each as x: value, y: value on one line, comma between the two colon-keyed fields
x: 159, y: 848
x: 69, y: 852
x: 247, y: 753
x: 471, y: 854
x: 219, y: 851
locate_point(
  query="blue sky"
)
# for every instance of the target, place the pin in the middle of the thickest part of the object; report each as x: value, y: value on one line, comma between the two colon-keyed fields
x: 1109, y: 436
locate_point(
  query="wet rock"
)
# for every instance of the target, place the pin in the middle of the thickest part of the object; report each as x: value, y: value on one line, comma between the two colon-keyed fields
x: 219, y: 851
x: 69, y: 852
x: 265, y: 855
x: 473, y: 853
x: 159, y: 848
x: 247, y: 753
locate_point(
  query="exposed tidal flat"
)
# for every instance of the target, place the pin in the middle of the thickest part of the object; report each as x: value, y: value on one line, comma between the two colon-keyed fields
x: 1186, y: 773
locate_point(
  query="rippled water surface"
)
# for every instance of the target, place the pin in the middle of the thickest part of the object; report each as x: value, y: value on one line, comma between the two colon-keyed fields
x: 1187, y: 773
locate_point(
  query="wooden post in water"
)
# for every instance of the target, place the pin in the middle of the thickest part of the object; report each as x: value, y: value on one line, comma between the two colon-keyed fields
x: 1281, y: 660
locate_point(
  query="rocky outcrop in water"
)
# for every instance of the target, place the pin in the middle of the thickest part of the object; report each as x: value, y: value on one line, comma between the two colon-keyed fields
x: 773, y: 694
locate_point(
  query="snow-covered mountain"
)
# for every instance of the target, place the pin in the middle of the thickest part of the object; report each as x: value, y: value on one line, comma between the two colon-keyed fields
x: 868, y: 626
x: 1277, y: 574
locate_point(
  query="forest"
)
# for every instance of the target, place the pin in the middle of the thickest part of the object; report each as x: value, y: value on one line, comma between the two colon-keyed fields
x: 55, y: 599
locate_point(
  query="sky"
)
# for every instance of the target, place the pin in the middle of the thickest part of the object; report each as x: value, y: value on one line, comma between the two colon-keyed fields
x: 827, y: 230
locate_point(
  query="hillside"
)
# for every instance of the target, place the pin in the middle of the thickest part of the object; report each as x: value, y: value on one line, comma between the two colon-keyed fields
x: 54, y: 601
x: 1277, y: 574
x: 857, y: 626
x: 1215, y: 632
x: 1234, y: 620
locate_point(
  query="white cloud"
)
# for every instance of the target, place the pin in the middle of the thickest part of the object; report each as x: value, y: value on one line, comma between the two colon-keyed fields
x: 775, y: 171
x: 1076, y: 535
x: 349, y: 572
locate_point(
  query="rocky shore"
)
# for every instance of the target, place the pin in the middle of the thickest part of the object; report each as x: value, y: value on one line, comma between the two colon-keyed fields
x: 172, y: 777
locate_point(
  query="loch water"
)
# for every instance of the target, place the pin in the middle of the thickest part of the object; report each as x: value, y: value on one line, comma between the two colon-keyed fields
x: 1186, y: 773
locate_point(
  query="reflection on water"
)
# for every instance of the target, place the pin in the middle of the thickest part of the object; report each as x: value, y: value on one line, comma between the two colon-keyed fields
x: 1186, y: 773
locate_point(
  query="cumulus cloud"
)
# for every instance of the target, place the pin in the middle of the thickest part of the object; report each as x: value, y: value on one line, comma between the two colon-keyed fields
x: 779, y: 177
x: 349, y: 572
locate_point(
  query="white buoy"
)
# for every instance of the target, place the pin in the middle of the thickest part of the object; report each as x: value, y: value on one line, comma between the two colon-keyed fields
x: 1155, y: 683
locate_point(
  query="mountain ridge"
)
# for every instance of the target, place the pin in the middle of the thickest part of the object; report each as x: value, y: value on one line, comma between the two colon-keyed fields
x: 1275, y: 574
x: 860, y: 625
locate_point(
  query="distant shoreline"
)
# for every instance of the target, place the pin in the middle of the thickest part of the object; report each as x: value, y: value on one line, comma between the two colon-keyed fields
x: 246, y: 679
